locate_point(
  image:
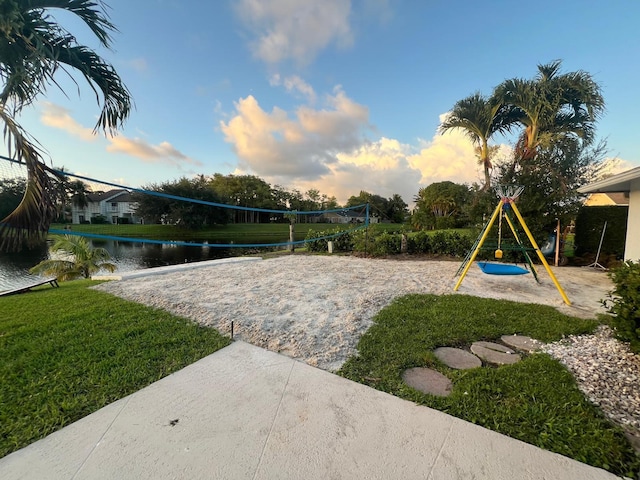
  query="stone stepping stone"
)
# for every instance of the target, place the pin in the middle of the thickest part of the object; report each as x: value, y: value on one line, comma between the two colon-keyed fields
x: 522, y: 342
x: 427, y: 381
x: 495, y: 353
x: 457, y: 358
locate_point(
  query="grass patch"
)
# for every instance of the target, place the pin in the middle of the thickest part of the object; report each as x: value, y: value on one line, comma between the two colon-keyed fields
x: 67, y: 352
x: 535, y: 400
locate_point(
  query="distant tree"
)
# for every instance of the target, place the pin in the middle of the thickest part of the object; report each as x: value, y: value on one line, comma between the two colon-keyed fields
x: 82, y: 260
x: 314, y: 197
x: 440, y: 205
x: 157, y: 209
x: 330, y: 203
x: 11, y: 192
x: 378, y: 205
x: 246, y: 191
x: 397, y: 209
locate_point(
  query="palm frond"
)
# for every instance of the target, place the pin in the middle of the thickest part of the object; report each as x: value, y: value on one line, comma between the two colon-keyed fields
x: 30, y: 221
x: 104, y: 80
x: 92, y: 13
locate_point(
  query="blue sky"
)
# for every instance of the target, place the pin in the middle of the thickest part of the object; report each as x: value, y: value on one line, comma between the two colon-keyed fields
x: 336, y: 95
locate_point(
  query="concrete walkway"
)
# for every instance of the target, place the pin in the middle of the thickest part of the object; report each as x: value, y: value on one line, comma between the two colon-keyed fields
x: 247, y: 413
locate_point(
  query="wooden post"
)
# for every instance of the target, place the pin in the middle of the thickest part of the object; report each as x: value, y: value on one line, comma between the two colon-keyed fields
x: 558, y: 243
x: 292, y: 237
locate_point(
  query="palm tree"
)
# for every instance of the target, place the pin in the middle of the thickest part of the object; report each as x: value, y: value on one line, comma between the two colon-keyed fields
x: 480, y: 118
x: 80, y: 259
x: 33, y: 47
x: 550, y: 107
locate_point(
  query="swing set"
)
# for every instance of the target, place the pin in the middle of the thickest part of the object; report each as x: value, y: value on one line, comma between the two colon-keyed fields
x: 503, y: 213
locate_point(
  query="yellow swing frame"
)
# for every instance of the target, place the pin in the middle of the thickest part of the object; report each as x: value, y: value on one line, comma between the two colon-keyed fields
x: 498, y: 211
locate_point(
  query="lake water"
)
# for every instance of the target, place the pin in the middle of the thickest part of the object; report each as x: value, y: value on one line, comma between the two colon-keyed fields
x: 128, y: 256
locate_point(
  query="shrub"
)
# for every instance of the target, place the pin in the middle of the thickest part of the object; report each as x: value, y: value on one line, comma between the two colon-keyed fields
x: 419, y: 243
x: 589, y: 225
x: 99, y: 220
x: 386, y: 244
x: 623, y: 302
x: 341, y: 243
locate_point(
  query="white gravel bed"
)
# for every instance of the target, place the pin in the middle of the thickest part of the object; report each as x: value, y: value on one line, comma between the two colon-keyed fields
x: 607, y: 372
x: 316, y: 308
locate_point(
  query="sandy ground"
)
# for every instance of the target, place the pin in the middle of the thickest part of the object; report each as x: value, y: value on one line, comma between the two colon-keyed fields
x: 316, y: 308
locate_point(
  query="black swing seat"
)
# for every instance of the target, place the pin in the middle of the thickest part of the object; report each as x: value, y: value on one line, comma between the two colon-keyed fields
x: 501, y: 269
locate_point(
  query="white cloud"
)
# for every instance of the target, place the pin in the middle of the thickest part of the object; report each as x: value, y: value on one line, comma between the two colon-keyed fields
x: 164, y: 152
x: 58, y: 117
x: 273, y: 144
x: 295, y: 84
x: 379, y: 167
x: 295, y: 29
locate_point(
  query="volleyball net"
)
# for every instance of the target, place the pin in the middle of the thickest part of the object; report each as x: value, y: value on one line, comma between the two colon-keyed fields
x: 103, y: 210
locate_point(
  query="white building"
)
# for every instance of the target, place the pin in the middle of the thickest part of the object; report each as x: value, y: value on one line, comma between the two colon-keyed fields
x: 629, y: 183
x: 117, y: 206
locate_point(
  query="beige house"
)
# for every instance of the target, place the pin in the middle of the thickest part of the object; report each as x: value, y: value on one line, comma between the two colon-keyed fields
x: 607, y: 199
x: 626, y: 183
x: 117, y: 206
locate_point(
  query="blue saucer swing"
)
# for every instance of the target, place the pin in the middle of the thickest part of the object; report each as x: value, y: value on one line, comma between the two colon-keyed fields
x: 501, y: 269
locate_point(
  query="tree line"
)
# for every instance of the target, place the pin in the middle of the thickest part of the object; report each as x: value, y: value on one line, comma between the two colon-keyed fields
x: 251, y: 192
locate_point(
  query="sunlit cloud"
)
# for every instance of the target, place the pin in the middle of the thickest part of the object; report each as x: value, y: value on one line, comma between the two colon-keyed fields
x: 164, y: 152
x: 298, y: 146
x: 59, y: 117
x: 447, y: 157
x: 379, y: 167
x: 298, y: 30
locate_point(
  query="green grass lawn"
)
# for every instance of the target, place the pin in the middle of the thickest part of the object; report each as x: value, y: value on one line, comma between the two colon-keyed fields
x: 535, y: 400
x: 66, y: 352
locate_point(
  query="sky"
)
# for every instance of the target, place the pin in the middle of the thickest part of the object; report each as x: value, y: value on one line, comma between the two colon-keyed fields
x: 334, y: 95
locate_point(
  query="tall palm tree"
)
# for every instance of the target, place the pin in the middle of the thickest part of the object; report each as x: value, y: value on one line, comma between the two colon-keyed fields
x: 550, y: 107
x: 80, y: 259
x: 480, y: 118
x: 33, y: 48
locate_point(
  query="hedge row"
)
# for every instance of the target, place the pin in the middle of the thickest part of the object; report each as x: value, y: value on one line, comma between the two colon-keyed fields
x: 589, y: 226
x: 383, y: 243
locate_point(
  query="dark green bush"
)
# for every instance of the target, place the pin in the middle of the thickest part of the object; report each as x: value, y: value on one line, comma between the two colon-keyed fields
x: 623, y: 302
x: 589, y: 225
x: 419, y: 243
x: 99, y: 220
x: 386, y: 244
x: 377, y: 243
x: 341, y: 243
